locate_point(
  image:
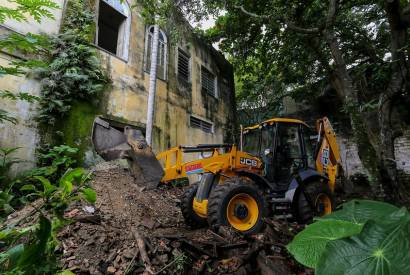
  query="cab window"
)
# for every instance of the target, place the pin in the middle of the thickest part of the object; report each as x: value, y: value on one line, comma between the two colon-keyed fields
x: 266, y: 141
x: 251, y: 142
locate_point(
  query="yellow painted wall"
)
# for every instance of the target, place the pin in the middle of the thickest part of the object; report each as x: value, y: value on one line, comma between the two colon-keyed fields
x: 126, y: 99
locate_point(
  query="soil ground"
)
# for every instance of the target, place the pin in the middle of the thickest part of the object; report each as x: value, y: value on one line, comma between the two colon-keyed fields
x: 111, y: 236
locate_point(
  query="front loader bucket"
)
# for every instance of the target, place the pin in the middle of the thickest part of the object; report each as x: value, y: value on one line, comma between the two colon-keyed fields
x: 111, y: 143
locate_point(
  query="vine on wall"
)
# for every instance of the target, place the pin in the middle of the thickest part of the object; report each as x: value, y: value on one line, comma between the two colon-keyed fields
x: 74, y: 71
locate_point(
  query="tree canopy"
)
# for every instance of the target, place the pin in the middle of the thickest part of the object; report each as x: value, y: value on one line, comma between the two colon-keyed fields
x: 353, y: 55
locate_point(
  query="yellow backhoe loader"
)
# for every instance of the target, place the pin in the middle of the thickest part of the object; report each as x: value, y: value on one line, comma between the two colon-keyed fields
x: 277, y: 170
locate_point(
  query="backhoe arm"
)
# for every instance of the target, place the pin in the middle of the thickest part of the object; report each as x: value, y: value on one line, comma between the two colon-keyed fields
x: 327, y: 156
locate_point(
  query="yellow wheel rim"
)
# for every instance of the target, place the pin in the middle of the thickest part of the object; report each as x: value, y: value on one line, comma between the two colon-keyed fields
x: 323, y: 205
x: 242, y: 212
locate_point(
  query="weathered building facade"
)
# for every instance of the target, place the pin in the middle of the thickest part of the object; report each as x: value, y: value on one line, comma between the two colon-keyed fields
x: 195, y: 87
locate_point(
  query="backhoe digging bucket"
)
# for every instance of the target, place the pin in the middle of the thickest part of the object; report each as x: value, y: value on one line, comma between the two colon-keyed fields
x: 130, y: 144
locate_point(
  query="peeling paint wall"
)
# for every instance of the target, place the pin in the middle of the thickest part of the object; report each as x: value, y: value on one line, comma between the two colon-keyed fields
x: 174, y: 104
x: 48, y: 25
x: 126, y: 99
x: 25, y: 133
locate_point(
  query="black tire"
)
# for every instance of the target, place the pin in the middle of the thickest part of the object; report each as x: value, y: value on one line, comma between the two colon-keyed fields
x: 191, y: 218
x: 307, y: 206
x: 221, y: 196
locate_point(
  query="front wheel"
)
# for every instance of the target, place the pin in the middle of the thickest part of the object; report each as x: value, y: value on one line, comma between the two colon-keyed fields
x: 191, y: 218
x: 316, y: 201
x: 239, y: 204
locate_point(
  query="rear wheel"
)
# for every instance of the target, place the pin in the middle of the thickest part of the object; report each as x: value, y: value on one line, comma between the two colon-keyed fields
x: 239, y: 204
x: 316, y: 201
x: 191, y: 218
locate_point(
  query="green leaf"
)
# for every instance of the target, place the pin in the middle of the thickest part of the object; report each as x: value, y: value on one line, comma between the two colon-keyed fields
x: 72, y: 175
x: 308, y: 245
x: 48, y: 187
x: 89, y: 195
x: 65, y: 272
x: 5, y: 116
x: 360, y: 211
x: 28, y: 187
x: 378, y: 249
x: 35, y: 251
x: 67, y: 186
x: 12, y: 255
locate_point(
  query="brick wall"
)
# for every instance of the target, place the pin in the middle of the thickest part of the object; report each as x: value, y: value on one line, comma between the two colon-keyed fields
x: 402, y: 153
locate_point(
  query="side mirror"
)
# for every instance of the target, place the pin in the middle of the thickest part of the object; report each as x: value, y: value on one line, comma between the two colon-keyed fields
x: 267, y: 151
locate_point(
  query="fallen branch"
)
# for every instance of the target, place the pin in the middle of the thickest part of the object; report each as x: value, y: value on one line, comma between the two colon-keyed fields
x: 217, y: 235
x: 143, y: 252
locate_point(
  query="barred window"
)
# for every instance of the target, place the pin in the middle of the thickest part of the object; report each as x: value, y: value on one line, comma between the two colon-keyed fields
x: 183, y: 66
x: 205, y: 126
x: 208, y: 81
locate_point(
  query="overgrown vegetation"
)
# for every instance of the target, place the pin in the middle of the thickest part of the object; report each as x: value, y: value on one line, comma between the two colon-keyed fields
x: 31, y: 249
x: 364, y: 237
x: 70, y: 70
x: 74, y: 71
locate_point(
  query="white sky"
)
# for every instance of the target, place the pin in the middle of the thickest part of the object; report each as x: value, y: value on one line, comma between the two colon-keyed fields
x: 206, y: 24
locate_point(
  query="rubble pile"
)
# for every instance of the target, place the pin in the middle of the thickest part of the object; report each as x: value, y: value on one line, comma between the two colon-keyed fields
x: 135, y: 231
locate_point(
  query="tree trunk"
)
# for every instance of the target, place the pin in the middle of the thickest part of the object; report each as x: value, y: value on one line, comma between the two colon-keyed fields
x: 398, y: 32
x: 346, y: 90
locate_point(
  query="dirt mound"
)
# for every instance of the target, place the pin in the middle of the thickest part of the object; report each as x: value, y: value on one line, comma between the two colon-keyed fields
x: 133, y: 231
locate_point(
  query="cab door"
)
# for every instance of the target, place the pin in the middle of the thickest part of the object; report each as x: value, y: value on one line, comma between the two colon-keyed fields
x: 266, y: 151
x: 289, y: 155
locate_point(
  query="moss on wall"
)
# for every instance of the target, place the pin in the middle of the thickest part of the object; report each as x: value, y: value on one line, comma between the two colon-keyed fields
x: 76, y: 128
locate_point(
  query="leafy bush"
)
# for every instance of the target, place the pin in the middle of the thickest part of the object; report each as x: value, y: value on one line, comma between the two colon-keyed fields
x: 364, y: 237
x: 52, y: 164
x: 31, y: 250
x: 74, y: 71
x: 6, y: 184
x: 54, y: 161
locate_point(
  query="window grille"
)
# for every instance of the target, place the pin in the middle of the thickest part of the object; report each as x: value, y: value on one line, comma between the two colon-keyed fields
x: 205, y: 126
x: 183, y: 66
x: 208, y: 81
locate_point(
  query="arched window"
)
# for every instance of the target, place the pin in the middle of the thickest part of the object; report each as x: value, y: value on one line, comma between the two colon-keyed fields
x: 162, y: 52
x: 114, y: 26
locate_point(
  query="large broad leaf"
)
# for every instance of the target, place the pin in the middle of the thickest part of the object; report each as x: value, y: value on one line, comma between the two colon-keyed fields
x: 360, y: 211
x: 308, y: 245
x: 378, y: 249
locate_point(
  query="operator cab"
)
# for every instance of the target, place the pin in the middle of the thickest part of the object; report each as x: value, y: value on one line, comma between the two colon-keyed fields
x: 284, y: 146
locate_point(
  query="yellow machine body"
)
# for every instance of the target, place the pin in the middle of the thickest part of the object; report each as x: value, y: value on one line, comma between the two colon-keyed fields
x: 216, y: 162
x: 227, y: 160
